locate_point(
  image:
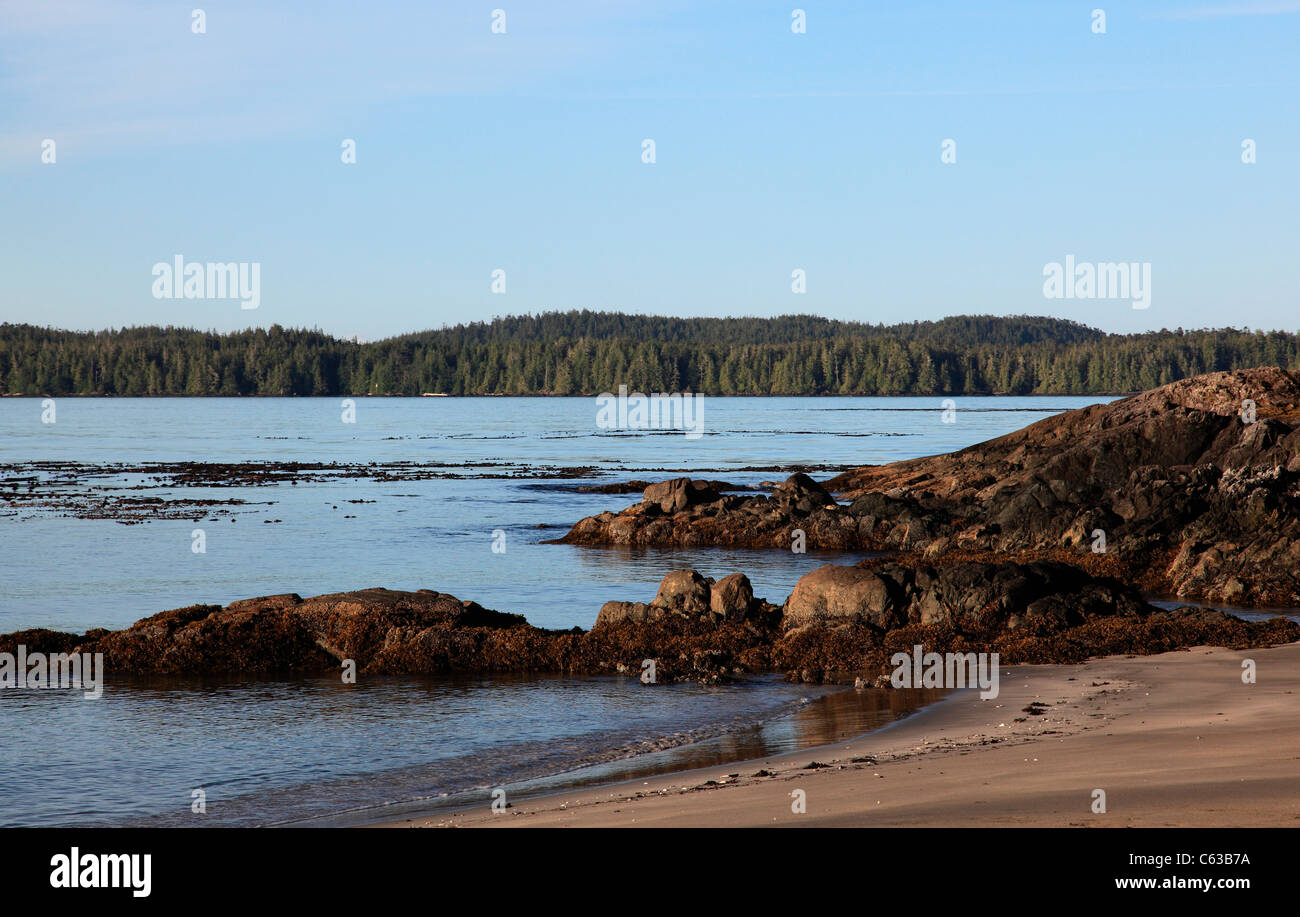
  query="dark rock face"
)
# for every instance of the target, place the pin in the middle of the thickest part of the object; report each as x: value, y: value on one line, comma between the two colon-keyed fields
x: 1193, y: 496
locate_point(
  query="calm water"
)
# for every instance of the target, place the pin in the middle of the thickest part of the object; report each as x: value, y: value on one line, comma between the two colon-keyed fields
x: 284, y: 751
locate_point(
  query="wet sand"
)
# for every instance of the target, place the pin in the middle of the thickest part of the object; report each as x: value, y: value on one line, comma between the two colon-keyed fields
x: 1174, y: 740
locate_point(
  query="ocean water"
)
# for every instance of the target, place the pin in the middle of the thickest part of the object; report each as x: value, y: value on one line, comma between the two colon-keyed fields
x: 101, y: 509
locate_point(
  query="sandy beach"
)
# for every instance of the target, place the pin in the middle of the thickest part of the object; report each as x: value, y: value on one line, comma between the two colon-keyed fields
x: 1174, y: 740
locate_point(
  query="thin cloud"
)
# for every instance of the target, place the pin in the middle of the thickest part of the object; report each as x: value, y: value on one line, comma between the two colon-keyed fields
x: 113, y: 74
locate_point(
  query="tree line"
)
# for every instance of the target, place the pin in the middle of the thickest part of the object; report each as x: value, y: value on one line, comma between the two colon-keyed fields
x: 586, y: 353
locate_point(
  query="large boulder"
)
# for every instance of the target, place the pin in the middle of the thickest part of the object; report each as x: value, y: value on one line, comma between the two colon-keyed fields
x: 732, y: 596
x: 617, y: 612
x: 679, y: 493
x: 683, y: 591
x: 835, y: 594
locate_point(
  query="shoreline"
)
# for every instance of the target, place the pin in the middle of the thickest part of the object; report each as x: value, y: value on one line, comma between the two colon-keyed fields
x: 1163, y: 735
x: 803, y: 724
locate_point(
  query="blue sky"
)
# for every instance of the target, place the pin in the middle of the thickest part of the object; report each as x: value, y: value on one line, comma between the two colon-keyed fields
x: 522, y: 151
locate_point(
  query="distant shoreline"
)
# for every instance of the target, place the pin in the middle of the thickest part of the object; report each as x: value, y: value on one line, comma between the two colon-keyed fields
x: 587, y: 353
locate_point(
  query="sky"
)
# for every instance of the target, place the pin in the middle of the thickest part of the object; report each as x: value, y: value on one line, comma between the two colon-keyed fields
x: 523, y: 151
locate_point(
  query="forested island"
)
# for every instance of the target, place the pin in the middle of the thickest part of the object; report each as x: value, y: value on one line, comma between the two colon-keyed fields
x: 586, y: 353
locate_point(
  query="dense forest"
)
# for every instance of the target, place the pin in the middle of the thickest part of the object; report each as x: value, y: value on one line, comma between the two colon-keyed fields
x: 586, y: 353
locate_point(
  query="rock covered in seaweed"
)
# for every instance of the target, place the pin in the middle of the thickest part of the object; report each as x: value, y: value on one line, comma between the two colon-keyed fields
x: 887, y: 594
x: 832, y: 628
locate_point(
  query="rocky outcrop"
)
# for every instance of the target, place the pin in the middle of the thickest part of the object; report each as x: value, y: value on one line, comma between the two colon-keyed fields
x: 680, y: 512
x: 838, y: 654
x: 1191, y: 489
x: 283, y: 633
x: 846, y: 620
x: 694, y: 629
x: 840, y: 623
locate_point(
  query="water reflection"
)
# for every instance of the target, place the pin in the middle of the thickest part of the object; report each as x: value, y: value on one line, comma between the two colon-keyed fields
x: 835, y: 717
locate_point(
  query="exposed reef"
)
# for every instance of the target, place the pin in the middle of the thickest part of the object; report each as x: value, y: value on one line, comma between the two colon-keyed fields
x: 840, y: 624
